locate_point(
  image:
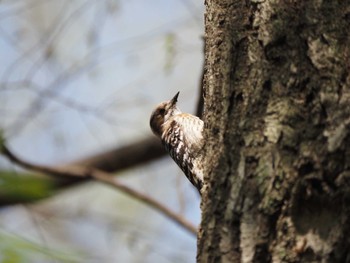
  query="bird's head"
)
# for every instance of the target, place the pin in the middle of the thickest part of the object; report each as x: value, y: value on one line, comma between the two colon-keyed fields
x: 162, y: 113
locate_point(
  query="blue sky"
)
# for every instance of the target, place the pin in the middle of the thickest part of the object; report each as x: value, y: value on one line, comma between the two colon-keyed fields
x: 79, y: 77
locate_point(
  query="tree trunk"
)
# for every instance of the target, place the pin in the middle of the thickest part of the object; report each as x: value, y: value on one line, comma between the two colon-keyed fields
x: 277, y: 125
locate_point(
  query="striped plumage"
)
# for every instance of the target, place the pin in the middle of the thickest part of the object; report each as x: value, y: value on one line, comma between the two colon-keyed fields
x: 181, y: 134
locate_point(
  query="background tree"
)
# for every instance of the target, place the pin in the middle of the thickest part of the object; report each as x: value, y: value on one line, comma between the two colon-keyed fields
x: 78, y: 82
x: 277, y: 114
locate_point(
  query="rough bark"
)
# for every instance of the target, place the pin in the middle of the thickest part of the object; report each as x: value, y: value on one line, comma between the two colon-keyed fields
x: 277, y: 126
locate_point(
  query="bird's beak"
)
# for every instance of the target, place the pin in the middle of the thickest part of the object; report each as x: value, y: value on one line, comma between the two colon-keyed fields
x: 174, y: 100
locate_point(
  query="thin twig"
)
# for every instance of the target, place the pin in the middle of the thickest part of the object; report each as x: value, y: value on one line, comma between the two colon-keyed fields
x: 80, y: 172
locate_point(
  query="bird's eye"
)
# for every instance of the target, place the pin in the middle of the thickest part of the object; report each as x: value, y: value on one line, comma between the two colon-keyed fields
x: 162, y: 111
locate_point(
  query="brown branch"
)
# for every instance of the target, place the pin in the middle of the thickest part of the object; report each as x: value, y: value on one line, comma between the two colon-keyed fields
x: 137, y: 153
x: 200, y: 101
x: 86, y: 172
x: 201, y: 95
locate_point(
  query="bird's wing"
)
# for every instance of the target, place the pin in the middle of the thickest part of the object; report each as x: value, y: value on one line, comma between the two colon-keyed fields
x: 192, y: 128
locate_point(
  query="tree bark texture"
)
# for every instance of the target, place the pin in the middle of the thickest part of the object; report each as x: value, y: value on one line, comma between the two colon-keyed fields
x: 277, y: 126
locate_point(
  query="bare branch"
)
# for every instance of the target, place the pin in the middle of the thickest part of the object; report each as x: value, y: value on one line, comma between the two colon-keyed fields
x: 77, y: 171
x: 200, y: 100
x: 137, y: 153
x: 114, y: 160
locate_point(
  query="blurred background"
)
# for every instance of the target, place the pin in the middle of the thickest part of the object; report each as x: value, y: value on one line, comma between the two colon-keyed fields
x: 78, y: 78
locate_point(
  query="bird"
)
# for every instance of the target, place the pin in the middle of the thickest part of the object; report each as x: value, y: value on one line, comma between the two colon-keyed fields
x: 182, y: 136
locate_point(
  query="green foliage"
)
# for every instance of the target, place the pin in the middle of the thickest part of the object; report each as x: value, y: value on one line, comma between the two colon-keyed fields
x: 23, y: 187
x: 15, y: 249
